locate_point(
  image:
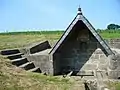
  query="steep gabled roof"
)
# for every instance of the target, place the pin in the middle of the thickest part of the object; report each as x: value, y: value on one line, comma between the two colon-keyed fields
x: 80, y: 17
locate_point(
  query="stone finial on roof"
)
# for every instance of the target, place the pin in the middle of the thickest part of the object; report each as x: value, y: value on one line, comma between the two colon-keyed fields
x: 79, y: 11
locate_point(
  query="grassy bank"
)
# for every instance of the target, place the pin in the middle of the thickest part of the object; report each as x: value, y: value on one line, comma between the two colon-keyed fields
x: 13, y: 78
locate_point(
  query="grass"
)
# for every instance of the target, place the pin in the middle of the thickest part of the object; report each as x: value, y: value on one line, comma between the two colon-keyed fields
x: 13, y: 78
x: 114, y: 85
x: 110, y: 34
x: 22, y: 39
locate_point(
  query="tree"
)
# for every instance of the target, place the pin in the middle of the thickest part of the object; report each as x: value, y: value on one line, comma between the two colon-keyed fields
x: 113, y: 26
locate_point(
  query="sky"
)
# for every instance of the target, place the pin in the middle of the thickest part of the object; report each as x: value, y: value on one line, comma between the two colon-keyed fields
x: 25, y: 15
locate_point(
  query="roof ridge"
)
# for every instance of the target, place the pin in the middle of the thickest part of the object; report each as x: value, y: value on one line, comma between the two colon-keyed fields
x: 80, y: 17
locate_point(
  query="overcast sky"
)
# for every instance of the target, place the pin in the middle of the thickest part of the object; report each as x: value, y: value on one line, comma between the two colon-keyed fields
x: 16, y: 15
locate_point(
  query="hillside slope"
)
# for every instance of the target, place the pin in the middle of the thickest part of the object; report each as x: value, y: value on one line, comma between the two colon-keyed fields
x: 14, y: 78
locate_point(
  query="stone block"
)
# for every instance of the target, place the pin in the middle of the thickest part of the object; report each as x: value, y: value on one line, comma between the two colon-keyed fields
x: 114, y: 43
x: 92, y: 61
x: 113, y: 64
x: 117, y: 45
x: 85, y: 73
x: 112, y: 74
x: 98, y: 51
x: 103, y: 56
x: 102, y: 67
x: 89, y: 67
x: 40, y: 47
x: 103, y: 61
x: 116, y: 40
x: 96, y: 56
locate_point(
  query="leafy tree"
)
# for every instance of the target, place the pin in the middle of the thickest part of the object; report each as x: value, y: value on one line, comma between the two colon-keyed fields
x: 113, y: 26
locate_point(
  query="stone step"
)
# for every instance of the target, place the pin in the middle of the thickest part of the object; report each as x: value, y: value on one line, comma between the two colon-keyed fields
x: 27, y: 66
x: 14, y: 56
x: 36, y: 69
x: 9, y: 52
x: 19, y: 61
x: 104, y: 75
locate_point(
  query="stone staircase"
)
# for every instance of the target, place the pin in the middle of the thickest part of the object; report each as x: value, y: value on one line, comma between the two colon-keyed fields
x: 17, y: 58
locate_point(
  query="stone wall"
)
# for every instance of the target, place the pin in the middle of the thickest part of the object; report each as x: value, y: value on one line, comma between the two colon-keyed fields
x: 84, y: 63
x: 36, y: 48
x: 80, y: 54
x: 43, y: 62
x: 113, y: 43
x: 97, y: 61
x: 114, y: 66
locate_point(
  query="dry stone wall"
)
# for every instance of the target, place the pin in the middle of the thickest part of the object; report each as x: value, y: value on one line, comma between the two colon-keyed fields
x: 113, y: 43
x: 114, y: 66
x: 97, y: 61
